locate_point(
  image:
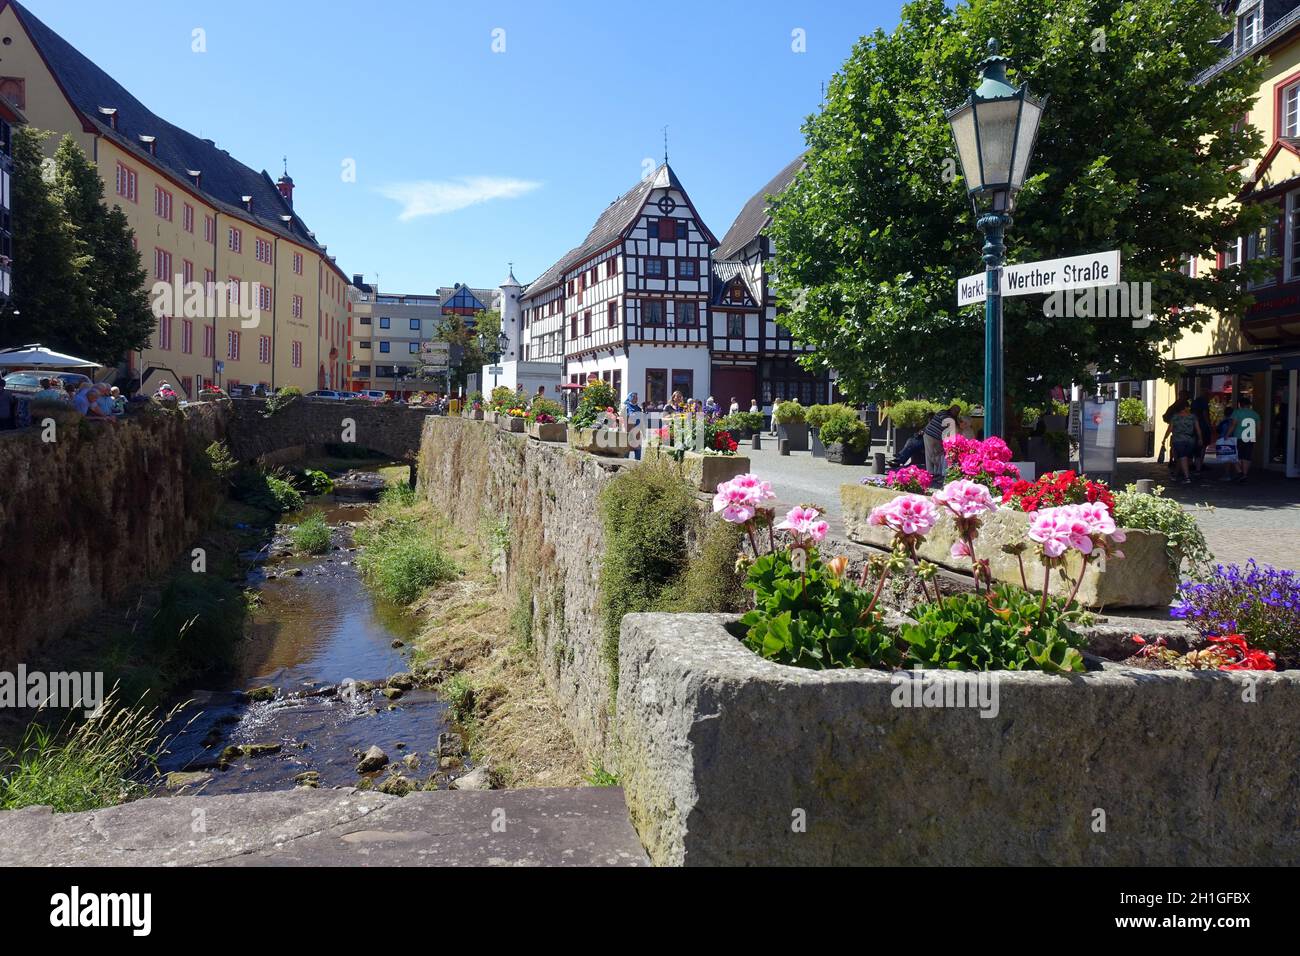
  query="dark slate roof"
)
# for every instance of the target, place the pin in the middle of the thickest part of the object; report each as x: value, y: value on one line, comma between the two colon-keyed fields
x: 225, y: 180
x: 612, y: 223
x: 551, y: 277
x: 754, y: 218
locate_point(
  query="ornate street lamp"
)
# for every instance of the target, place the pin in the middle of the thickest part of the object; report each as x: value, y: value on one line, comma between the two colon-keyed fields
x: 995, y: 130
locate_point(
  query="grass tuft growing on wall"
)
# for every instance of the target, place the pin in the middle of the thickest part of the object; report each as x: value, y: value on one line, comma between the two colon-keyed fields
x: 651, y: 518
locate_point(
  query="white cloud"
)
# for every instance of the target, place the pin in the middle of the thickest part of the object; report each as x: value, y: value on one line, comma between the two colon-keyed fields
x: 428, y: 197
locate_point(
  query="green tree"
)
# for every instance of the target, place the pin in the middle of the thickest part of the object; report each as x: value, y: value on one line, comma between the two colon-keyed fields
x: 49, y: 282
x: 456, y: 330
x: 118, y: 307
x: 1133, y: 155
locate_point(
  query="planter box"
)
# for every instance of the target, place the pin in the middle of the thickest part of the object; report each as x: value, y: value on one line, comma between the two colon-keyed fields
x: 600, y: 441
x: 704, y: 472
x: 1143, y: 578
x: 815, y: 442
x: 550, y: 431
x: 902, y: 435
x: 718, y: 747
x: 796, y: 434
x: 490, y: 417
x: 475, y: 414
x: 1132, y: 441
x: 508, y: 424
x: 1043, y: 456
x: 839, y: 455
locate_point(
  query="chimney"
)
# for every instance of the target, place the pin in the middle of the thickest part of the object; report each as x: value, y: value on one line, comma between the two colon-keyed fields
x: 197, y: 176
x: 150, y: 143
x: 358, y: 279
x: 111, y: 113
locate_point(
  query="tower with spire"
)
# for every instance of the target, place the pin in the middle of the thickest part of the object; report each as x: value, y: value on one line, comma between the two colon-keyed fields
x: 510, y: 311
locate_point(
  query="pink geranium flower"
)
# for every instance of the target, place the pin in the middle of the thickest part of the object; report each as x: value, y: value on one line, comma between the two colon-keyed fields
x: 1058, y: 530
x: 739, y: 499
x: 912, y: 516
x: 804, y: 524
x: 965, y: 499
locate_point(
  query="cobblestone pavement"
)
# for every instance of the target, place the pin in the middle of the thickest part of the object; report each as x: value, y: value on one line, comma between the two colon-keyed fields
x: 1259, y: 519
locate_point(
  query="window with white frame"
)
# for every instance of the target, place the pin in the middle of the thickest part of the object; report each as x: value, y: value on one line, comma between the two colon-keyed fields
x: 1250, y: 21
x: 1290, y: 125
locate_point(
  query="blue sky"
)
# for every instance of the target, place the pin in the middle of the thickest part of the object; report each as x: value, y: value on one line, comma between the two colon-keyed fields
x: 543, y: 135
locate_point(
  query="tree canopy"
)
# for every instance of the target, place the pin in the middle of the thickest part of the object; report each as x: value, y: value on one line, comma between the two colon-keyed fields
x: 872, y: 236
x: 79, y: 286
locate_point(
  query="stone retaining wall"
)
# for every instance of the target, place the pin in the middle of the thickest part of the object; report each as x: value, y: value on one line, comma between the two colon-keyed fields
x: 94, y: 513
x: 729, y: 759
x: 548, y: 496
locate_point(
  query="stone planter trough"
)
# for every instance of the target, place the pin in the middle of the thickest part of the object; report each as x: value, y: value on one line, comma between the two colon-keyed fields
x: 1143, y: 578
x: 548, y: 431
x: 705, y: 472
x: 509, y: 423
x: 600, y: 441
x: 727, y: 759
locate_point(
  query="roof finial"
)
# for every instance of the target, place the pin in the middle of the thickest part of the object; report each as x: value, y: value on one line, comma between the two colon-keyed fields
x: 665, y: 145
x: 286, y: 165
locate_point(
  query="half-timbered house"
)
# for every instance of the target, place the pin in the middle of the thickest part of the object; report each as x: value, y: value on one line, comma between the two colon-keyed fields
x: 753, y: 355
x: 631, y: 303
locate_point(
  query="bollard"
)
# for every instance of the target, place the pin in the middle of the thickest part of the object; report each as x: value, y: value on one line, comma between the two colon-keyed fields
x: 1145, y: 486
x: 756, y: 442
x: 878, y: 463
x: 783, y: 446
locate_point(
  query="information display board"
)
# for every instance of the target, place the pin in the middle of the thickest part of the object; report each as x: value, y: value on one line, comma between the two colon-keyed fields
x: 1099, y: 418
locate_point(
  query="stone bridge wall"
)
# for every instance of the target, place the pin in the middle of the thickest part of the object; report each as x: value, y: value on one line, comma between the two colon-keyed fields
x: 94, y: 513
x: 392, y: 430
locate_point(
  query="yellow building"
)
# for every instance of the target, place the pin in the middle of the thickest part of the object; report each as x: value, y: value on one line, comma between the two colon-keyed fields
x: 244, y: 292
x: 1258, y: 353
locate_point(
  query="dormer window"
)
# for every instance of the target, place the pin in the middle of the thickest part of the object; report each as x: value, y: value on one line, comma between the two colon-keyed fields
x: 1250, y: 23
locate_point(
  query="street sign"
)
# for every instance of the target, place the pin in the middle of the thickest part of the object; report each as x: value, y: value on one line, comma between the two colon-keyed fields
x: 496, y: 370
x: 1052, y: 275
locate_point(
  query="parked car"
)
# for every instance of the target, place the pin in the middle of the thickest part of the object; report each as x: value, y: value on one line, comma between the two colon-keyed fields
x: 373, y: 394
x: 327, y: 394
x: 28, y: 382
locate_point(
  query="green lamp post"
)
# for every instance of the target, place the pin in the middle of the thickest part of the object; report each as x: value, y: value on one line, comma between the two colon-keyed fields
x: 995, y: 131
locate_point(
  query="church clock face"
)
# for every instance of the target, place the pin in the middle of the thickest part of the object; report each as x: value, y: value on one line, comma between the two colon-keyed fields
x: 667, y: 204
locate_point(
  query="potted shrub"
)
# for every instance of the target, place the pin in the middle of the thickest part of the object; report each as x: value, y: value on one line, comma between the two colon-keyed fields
x: 474, y: 406
x: 514, y: 419
x: 846, y: 437
x: 545, y: 421
x: 594, y: 425
x: 743, y: 425
x: 815, y: 416
x: 909, y: 417
x: 791, y: 424
x: 1132, y: 440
